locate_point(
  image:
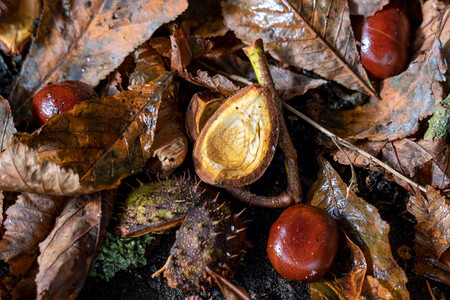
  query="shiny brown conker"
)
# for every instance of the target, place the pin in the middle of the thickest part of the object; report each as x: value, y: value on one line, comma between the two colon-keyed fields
x: 59, y: 97
x: 303, y: 243
x: 384, y: 41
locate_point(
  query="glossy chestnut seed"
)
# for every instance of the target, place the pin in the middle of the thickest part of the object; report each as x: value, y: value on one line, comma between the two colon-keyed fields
x: 384, y: 41
x: 303, y: 243
x: 60, y: 97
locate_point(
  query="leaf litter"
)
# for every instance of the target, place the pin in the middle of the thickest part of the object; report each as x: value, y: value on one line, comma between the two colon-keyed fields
x: 63, y: 169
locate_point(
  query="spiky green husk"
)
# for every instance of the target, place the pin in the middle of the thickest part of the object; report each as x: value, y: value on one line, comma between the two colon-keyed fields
x: 157, y: 206
x: 210, y: 236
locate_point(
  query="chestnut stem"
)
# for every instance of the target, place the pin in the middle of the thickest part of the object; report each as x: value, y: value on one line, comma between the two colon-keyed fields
x: 255, y: 53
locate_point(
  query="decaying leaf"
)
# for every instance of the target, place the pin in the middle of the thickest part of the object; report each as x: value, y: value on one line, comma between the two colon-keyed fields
x: 433, y: 223
x: 87, y: 40
x: 373, y: 289
x: 347, y: 275
x: 170, y: 145
x: 28, y: 223
x: 363, y: 224
x: 104, y: 139
x: 316, y: 36
x: 405, y: 100
x: 21, y: 169
x: 366, y: 8
x: 18, y: 24
x: 149, y: 66
x: 68, y: 251
x: 7, y: 128
x: 1, y: 207
x: 436, y: 20
x: 426, y: 162
x: 184, y: 49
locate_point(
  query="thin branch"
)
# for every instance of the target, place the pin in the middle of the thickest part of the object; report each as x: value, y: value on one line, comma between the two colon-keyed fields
x: 353, y: 147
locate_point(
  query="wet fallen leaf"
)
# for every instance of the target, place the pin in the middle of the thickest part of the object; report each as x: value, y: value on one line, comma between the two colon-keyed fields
x: 433, y: 223
x: 68, y: 251
x: 348, y: 274
x: 363, y: 224
x: 366, y: 8
x: 316, y: 36
x: 87, y: 40
x: 405, y: 100
x: 104, y: 139
x: 7, y: 128
x: 374, y: 289
x: 28, y: 223
x: 18, y: 24
x: 149, y: 66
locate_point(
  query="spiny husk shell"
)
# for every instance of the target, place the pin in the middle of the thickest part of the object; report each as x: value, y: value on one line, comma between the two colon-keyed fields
x: 238, y: 142
x: 158, y: 206
x: 210, y: 236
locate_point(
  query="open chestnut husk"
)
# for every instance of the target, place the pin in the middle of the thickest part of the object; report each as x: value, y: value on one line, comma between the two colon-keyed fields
x: 237, y: 143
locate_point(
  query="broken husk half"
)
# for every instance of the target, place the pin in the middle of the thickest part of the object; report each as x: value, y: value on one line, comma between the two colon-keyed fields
x: 238, y: 141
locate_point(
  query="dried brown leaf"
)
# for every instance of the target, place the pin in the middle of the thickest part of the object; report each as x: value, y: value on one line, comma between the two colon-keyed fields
x: 366, y: 8
x: 405, y: 100
x: 425, y: 162
x: 316, y: 36
x: 362, y: 222
x: 149, y: 66
x: 436, y: 20
x: 7, y: 128
x: 170, y: 146
x: 104, y: 139
x: 87, y: 40
x: 28, y: 223
x: 68, y: 251
x: 21, y: 169
x: 1, y: 207
x: 433, y: 223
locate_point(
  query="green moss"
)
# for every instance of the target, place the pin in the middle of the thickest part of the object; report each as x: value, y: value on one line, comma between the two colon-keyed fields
x: 118, y: 254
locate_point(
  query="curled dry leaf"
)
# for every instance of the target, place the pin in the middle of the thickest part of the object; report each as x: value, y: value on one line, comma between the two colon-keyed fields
x: 347, y: 275
x: 433, y: 223
x: 18, y: 24
x: 104, y: 139
x: 7, y: 128
x: 184, y: 50
x: 405, y: 100
x: 21, y: 169
x: 68, y: 251
x: 316, y: 36
x: 363, y: 224
x: 425, y: 162
x: 87, y: 40
x: 366, y: 8
x: 436, y: 20
x: 28, y: 223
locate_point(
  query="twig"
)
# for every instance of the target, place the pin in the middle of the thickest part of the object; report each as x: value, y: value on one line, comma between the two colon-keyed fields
x: 344, y: 143
x: 230, y: 76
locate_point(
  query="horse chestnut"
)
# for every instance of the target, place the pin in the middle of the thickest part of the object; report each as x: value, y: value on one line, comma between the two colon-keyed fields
x: 303, y: 243
x: 60, y: 97
x: 384, y: 41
